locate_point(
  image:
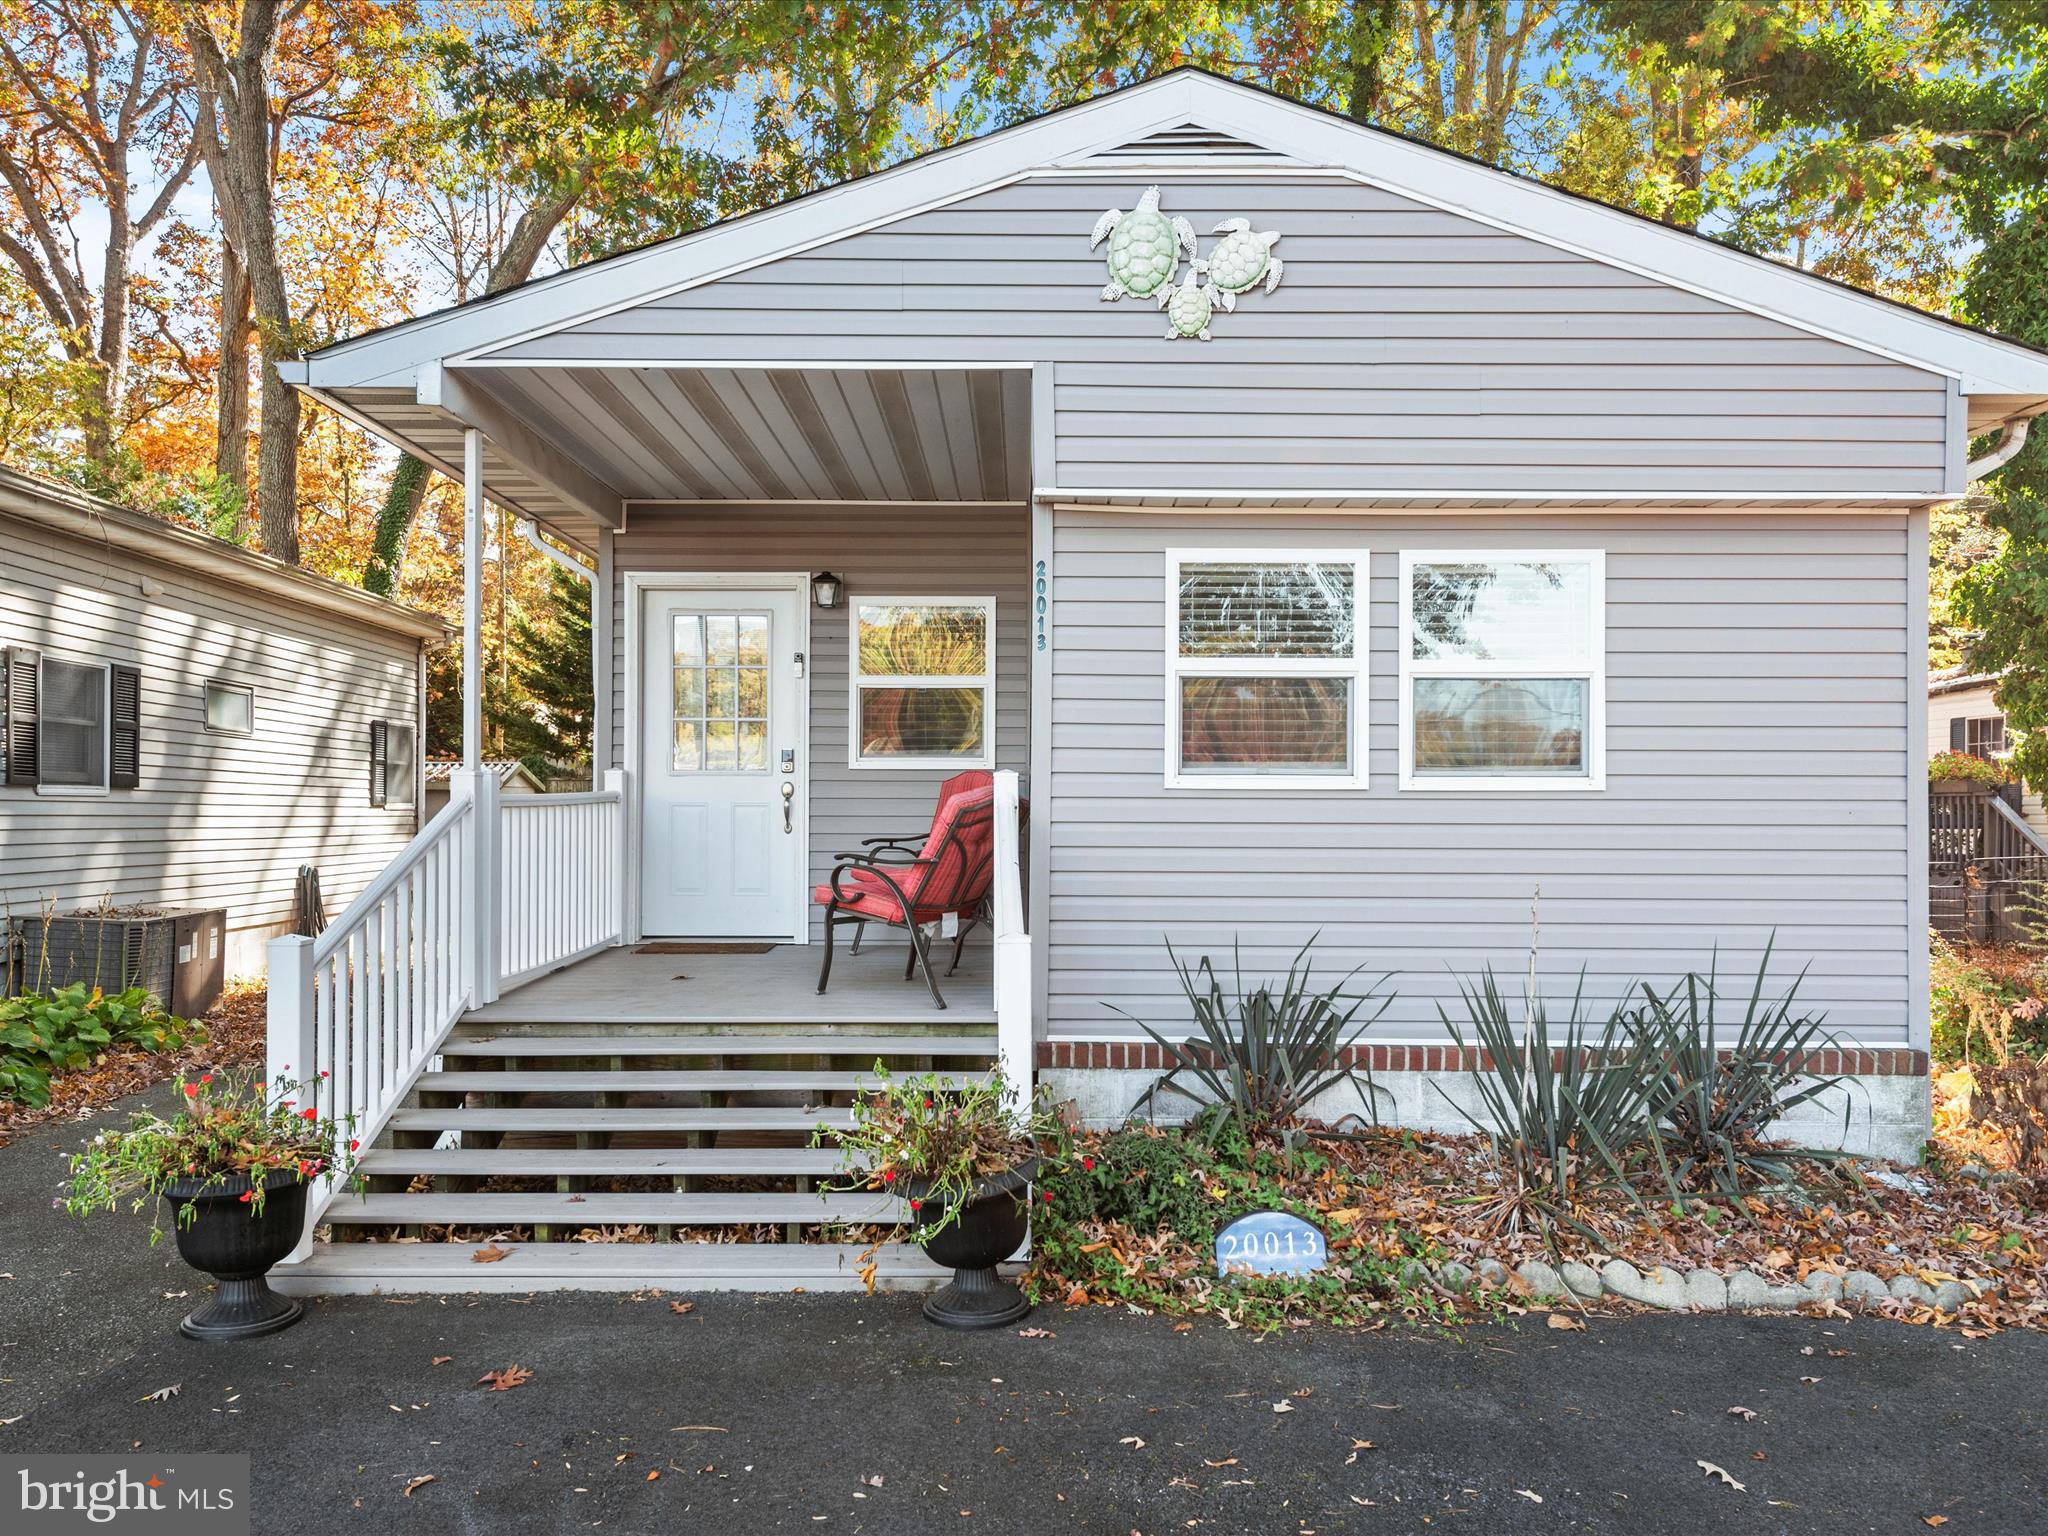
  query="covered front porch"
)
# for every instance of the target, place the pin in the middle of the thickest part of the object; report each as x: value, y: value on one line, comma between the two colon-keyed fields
x: 593, y: 1021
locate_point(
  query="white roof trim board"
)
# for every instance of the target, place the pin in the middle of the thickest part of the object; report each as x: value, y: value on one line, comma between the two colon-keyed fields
x: 1173, y: 111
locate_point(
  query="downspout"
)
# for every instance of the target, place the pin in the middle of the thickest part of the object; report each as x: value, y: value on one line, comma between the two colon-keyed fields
x: 600, y: 643
x: 2012, y: 438
x: 575, y: 567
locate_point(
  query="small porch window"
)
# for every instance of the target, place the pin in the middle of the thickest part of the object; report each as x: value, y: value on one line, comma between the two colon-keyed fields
x: 1503, y: 669
x: 1265, y: 670
x: 1982, y: 736
x: 923, y: 677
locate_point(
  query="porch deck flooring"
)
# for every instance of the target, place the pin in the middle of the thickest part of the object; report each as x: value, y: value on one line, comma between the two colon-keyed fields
x: 776, y: 987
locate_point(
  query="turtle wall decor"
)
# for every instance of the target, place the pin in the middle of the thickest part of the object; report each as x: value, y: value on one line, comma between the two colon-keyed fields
x: 1145, y: 249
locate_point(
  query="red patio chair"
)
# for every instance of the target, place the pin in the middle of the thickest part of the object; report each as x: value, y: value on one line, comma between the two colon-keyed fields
x: 948, y: 874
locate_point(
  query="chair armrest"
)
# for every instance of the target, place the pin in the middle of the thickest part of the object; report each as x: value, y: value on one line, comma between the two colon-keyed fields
x: 908, y: 838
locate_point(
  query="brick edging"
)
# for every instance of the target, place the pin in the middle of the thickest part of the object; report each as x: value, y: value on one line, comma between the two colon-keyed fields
x: 1143, y: 1055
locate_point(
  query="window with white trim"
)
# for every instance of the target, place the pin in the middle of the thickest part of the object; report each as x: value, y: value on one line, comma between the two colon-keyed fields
x: 73, y: 724
x: 230, y: 708
x: 1265, y: 669
x: 923, y: 681
x: 1503, y: 669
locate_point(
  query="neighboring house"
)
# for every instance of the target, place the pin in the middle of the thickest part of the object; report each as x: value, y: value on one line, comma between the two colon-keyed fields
x: 1509, y: 542
x: 186, y: 723
x: 513, y: 779
x: 1962, y: 716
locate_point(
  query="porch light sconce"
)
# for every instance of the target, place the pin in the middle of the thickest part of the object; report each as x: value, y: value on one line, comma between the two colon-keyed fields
x: 827, y: 590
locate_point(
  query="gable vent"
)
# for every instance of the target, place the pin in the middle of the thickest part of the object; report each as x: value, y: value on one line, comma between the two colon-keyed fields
x: 1190, y: 141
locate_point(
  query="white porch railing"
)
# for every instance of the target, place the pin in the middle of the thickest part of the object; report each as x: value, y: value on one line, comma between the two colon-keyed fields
x: 492, y: 892
x: 1015, y: 1041
x: 561, y: 888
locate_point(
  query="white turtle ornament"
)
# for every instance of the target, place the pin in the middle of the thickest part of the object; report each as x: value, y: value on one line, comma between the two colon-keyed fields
x: 1144, y: 247
x: 1241, y: 258
x: 1189, y: 306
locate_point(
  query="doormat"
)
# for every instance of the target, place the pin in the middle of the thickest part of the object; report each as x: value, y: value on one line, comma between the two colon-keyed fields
x: 672, y: 947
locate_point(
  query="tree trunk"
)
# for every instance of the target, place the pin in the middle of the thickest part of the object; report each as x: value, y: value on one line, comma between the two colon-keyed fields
x: 1372, y: 30
x: 231, y: 430
x: 235, y: 130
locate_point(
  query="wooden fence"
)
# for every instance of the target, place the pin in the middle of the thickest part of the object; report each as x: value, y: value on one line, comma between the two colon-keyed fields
x: 1987, y: 870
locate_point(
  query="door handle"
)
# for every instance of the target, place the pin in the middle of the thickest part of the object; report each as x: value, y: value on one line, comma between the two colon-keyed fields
x: 788, y: 799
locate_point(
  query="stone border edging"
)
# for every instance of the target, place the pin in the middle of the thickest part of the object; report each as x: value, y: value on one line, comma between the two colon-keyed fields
x: 1698, y: 1290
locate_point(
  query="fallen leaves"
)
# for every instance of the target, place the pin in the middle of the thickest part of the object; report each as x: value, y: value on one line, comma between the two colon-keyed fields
x: 441, y: 1359
x: 1533, y: 1498
x: 1713, y: 1471
x: 505, y: 1378
x: 490, y: 1254
x: 1934, y: 1519
x: 162, y: 1394
x: 1036, y: 1333
x: 418, y: 1482
x: 1283, y: 1406
x: 682, y: 1308
x: 872, y: 1480
x: 1564, y: 1322
x: 1744, y: 1414
x: 1133, y: 1442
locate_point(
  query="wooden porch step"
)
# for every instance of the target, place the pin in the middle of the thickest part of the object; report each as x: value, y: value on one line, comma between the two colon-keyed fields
x: 557, y: 1121
x: 487, y: 1040
x: 395, y: 1269
x: 549, y: 1209
x: 632, y: 1080
x: 653, y: 1162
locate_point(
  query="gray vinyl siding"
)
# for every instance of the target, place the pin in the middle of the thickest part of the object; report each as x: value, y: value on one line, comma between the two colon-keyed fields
x: 218, y: 820
x: 1759, y: 683
x: 1405, y: 349
x: 897, y: 552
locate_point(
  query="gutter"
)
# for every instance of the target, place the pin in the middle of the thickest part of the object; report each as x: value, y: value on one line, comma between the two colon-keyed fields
x: 2012, y: 438
x: 527, y: 531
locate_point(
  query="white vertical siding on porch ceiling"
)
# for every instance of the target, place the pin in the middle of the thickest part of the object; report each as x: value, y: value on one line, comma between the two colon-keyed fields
x: 885, y: 551
x: 1406, y: 349
x: 1758, y: 693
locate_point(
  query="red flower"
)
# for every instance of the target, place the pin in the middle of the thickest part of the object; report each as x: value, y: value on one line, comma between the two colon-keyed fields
x: 888, y: 1175
x: 248, y: 1195
x: 327, y: 1074
x: 353, y: 1145
x: 206, y: 1077
x: 927, y: 1103
x: 1048, y: 1197
x: 285, y: 1104
x: 1088, y: 1162
x: 917, y: 1205
x: 309, y: 1113
x: 191, y: 1090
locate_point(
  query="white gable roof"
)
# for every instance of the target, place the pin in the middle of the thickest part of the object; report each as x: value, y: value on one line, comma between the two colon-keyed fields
x: 1191, y: 123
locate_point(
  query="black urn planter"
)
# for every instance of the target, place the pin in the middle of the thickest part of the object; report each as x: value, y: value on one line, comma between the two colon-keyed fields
x: 991, y: 1226
x: 238, y: 1249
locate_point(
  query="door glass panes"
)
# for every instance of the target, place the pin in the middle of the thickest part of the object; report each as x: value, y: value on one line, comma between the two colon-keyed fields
x: 720, y: 667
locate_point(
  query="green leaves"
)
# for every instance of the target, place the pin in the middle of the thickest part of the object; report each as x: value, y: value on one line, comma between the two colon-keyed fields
x: 1258, y: 1059
x: 64, y: 1030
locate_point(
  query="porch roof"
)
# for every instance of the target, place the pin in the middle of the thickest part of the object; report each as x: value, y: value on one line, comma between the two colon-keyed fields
x: 575, y: 447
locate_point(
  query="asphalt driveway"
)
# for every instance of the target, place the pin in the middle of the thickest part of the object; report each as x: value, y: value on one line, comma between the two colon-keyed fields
x: 848, y: 1414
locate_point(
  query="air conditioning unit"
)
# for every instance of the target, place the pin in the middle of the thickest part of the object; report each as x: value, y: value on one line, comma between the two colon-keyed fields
x: 177, y: 955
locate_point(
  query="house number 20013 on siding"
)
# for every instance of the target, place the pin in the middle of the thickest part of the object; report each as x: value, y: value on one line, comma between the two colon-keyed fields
x: 1270, y: 1243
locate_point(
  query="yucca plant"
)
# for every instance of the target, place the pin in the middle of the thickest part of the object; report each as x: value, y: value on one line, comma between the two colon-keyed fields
x: 1561, y: 1114
x: 1256, y: 1059
x: 1712, y: 1113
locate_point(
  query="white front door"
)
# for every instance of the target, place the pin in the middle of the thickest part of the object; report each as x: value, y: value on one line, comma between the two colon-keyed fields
x: 722, y: 767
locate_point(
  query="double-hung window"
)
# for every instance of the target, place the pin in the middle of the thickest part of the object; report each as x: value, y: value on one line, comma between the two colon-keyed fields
x: 923, y: 678
x: 1265, y: 669
x: 1503, y: 669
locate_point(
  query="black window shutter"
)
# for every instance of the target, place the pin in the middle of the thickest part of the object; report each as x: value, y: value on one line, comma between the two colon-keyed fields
x: 125, y: 765
x: 1958, y: 733
x: 380, y: 756
x: 18, y: 700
